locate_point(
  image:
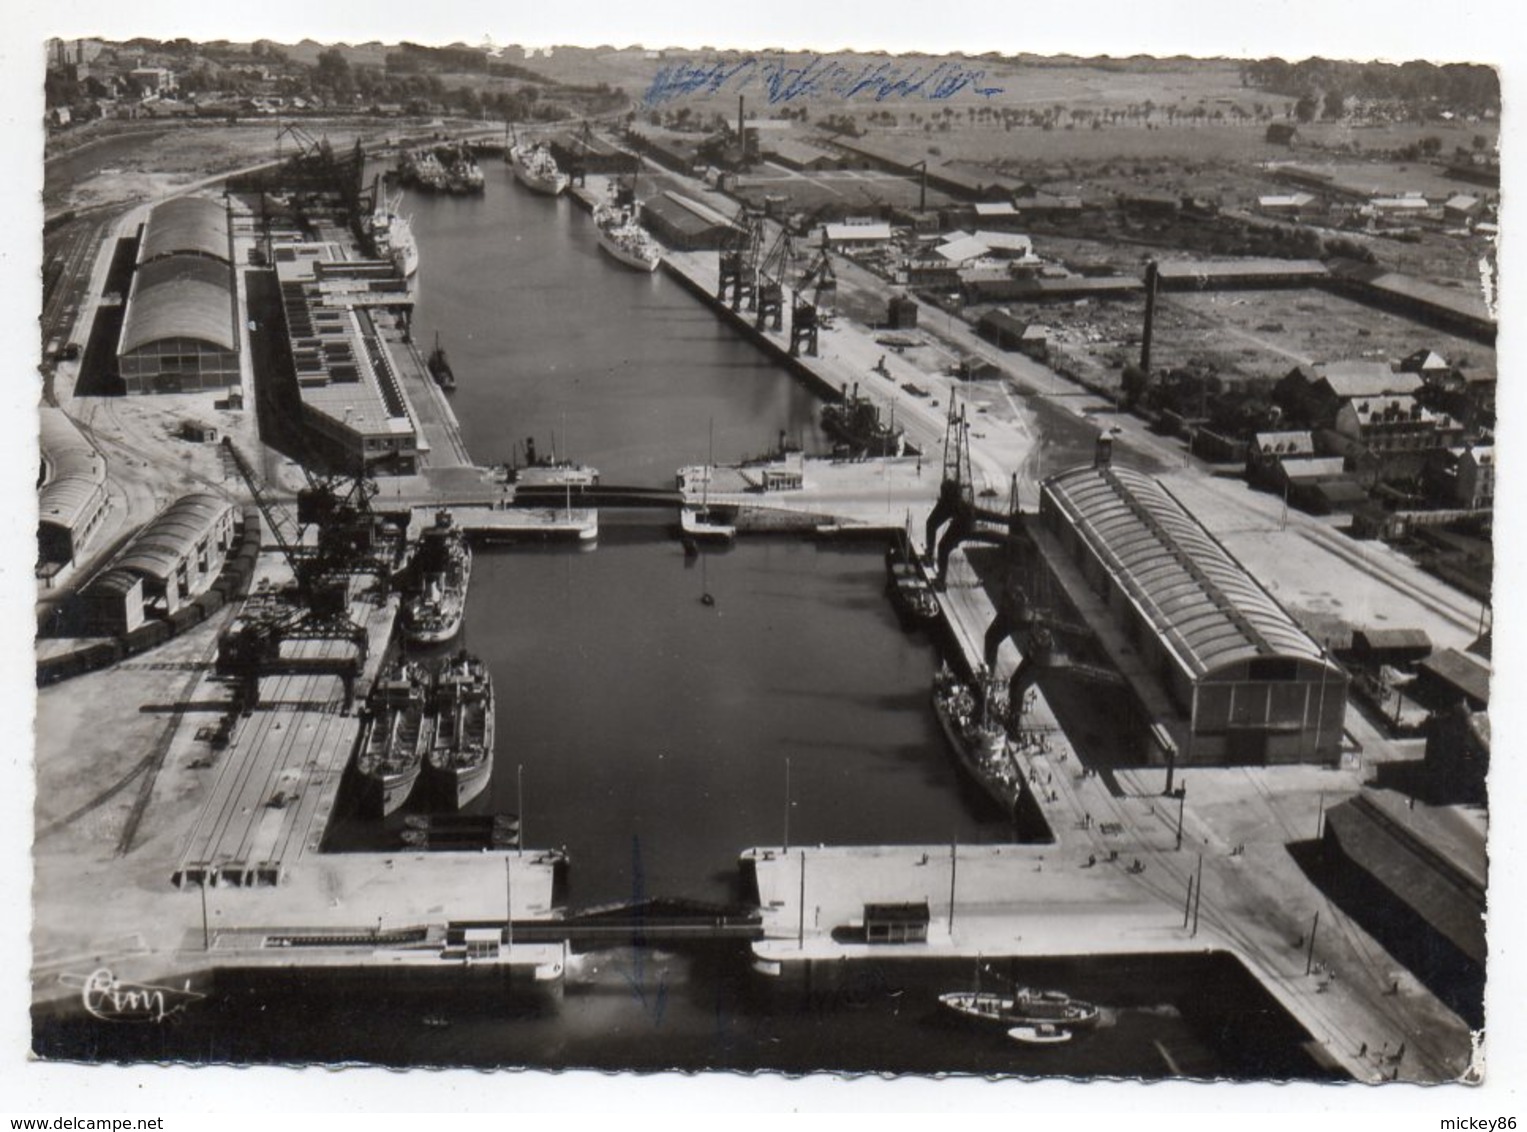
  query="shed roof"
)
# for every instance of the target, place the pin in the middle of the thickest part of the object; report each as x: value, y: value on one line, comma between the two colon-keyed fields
x: 799, y: 152
x: 962, y: 250
x: 1460, y: 671
x: 179, y: 296
x: 1203, y: 604
x: 850, y: 232
x: 186, y: 224
x: 1392, y: 639
x: 172, y: 534
x: 65, y: 448
x: 1366, y: 379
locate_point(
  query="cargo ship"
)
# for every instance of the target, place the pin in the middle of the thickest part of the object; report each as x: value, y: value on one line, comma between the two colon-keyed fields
x: 422, y: 169
x: 623, y: 237
x: 461, y: 761
x: 856, y: 422
x: 972, y: 719
x: 441, y: 568
x: 392, y: 236
x: 463, y: 174
x: 910, y: 593
x: 396, y: 739
x: 536, y: 169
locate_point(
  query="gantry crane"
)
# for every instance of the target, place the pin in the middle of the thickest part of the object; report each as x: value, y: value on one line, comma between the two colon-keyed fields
x: 810, y: 303
x: 772, y: 273
x: 740, y: 250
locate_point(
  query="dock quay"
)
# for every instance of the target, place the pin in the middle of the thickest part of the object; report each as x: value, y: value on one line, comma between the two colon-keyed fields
x: 502, y: 523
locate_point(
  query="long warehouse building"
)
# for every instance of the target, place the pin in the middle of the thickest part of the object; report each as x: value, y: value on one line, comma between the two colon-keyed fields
x: 1251, y: 684
x: 179, y: 329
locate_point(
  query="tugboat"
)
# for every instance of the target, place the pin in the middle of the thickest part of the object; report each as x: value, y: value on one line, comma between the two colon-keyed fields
x: 856, y: 422
x: 396, y: 739
x: 973, y: 722
x: 440, y: 367
x: 441, y: 568
x: 461, y: 761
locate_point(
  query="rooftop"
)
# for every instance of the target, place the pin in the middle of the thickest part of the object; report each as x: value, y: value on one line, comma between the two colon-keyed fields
x: 172, y: 534
x: 1204, y: 605
x: 186, y: 225
x: 179, y: 296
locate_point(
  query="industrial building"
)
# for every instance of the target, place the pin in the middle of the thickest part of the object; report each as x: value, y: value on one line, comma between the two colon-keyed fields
x: 179, y: 327
x: 352, y: 398
x: 1251, y: 686
x: 72, y: 498
x: 166, y: 564
x: 684, y: 223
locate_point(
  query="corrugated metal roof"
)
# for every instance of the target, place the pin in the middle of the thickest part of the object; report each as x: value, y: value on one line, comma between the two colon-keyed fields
x: 1205, y: 607
x: 65, y: 448
x: 171, y: 535
x: 65, y: 500
x: 186, y: 224
x: 179, y: 296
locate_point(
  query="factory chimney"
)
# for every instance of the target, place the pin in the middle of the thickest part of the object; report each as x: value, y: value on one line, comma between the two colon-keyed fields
x: 1150, y: 317
x: 739, y: 120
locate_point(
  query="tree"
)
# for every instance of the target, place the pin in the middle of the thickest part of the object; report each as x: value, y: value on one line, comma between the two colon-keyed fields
x: 1306, y: 108
x: 1336, y: 105
x: 332, y: 71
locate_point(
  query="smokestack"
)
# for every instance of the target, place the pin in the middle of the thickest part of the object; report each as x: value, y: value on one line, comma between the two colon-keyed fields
x: 1150, y: 317
x: 739, y: 119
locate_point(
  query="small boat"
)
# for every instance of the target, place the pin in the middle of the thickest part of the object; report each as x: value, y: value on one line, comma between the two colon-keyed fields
x: 704, y: 524
x: 440, y: 366
x: 1023, y: 1007
x: 1041, y: 1034
x: 910, y: 593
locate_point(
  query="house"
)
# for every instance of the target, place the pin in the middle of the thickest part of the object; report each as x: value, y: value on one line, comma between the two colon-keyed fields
x: 1313, y: 394
x: 859, y: 234
x: 1287, y: 204
x: 1268, y: 449
x: 1462, y: 209
x: 1462, y: 477
x: 1393, y: 423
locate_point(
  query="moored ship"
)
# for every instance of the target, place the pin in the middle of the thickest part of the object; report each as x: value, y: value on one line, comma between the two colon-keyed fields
x: 856, y: 422
x: 536, y: 169
x: 421, y: 168
x: 392, y: 236
x: 461, y: 761
x: 910, y: 593
x: 623, y: 237
x: 396, y: 739
x: 972, y: 719
x: 1023, y: 1007
x: 462, y: 173
x: 440, y: 367
x: 441, y: 568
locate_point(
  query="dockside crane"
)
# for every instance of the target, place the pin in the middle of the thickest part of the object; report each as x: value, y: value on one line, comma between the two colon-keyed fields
x: 318, y: 607
x: 740, y: 250
x: 810, y: 303
x: 772, y: 272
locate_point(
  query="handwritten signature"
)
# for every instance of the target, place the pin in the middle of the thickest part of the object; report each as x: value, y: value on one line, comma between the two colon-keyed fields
x: 111, y: 1000
x: 820, y: 77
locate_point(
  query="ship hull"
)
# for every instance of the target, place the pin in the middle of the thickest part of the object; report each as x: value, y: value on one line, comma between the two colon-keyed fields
x: 548, y: 184
x: 632, y: 259
x: 1005, y: 793
x: 1036, y: 1009
x: 386, y: 794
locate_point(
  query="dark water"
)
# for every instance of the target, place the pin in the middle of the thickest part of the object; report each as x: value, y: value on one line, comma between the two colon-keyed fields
x: 653, y: 729
x: 550, y: 338
x: 644, y: 1010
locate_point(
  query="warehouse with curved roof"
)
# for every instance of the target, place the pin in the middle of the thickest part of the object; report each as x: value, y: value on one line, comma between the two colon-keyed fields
x: 72, y: 495
x: 179, y: 327
x: 1252, y: 684
x: 186, y: 225
x: 171, y: 560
